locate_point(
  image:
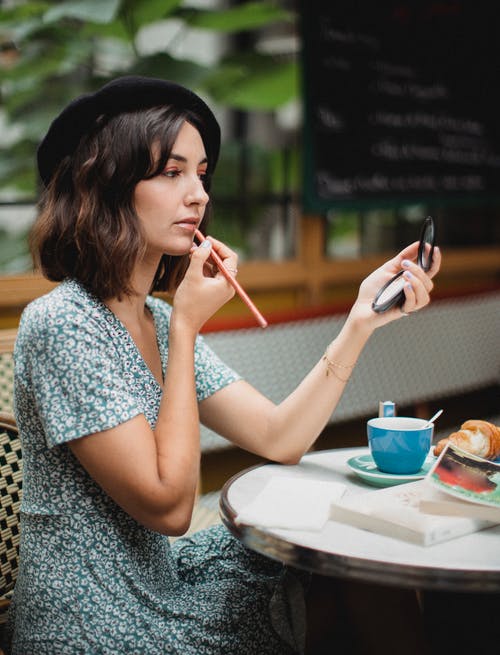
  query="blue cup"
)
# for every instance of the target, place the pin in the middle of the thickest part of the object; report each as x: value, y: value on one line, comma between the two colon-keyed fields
x: 399, y: 444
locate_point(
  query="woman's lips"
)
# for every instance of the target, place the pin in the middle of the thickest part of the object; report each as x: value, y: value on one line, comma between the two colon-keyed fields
x: 188, y: 224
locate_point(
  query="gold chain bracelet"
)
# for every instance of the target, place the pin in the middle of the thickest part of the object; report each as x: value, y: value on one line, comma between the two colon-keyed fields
x: 331, y: 366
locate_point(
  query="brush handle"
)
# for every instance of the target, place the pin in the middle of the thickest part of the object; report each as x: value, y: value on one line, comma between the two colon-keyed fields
x: 234, y: 283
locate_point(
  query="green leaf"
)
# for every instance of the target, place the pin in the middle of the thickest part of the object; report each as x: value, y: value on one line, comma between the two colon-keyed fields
x: 35, y: 102
x: 22, y: 12
x: 19, y: 31
x: 115, y: 29
x: 94, y: 11
x: 39, y: 60
x: 21, y: 21
x: 263, y: 85
x: 136, y: 13
x: 248, y: 16
x: 17, y: 167
x: 164, y: 66
x: 23, y: 96
x: 34, y: 30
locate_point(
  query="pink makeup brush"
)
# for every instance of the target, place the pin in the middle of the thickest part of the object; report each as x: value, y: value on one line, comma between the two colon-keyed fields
x: 234, y: 283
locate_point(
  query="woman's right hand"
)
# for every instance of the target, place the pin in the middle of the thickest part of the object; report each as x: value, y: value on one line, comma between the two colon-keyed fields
x: 204, y: 289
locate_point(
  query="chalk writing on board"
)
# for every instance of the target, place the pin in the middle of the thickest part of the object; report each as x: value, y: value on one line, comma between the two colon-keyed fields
x: 400, y: 103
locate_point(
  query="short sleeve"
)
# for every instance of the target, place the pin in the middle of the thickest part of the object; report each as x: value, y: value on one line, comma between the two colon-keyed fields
x: 212, y: 374
x: 79, y: 386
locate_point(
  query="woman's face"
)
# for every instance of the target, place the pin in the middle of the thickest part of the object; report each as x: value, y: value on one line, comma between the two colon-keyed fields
x: 171, y: 205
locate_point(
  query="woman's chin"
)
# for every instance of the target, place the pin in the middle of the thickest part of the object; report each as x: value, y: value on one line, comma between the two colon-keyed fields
x: 179, y: 248
x: 177, y: 252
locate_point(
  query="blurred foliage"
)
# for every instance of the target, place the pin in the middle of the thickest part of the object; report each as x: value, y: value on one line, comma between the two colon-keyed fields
x: 241, y: 210
x: 14, y: 255
x: 51, y: 52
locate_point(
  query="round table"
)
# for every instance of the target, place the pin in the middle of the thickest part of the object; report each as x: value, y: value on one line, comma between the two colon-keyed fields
x: 470, y: 563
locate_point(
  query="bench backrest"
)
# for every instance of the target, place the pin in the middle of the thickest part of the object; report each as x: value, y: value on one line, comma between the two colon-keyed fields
x: 449, y: 348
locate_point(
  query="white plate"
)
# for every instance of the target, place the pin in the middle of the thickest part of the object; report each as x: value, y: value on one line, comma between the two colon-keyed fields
x: 365, y: 468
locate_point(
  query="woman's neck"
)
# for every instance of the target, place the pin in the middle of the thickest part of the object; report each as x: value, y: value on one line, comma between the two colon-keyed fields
x: 131, y: 308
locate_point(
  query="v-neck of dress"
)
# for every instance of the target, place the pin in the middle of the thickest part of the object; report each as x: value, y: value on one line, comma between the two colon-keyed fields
x: 161, y: 339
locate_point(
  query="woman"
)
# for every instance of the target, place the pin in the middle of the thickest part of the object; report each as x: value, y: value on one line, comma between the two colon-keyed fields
x: 110, y: 386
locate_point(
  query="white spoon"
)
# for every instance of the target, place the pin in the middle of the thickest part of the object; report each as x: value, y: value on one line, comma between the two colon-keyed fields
x: 431, y: 420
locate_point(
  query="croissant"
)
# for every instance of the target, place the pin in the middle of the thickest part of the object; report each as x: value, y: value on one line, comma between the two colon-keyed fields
x: 476, y: 437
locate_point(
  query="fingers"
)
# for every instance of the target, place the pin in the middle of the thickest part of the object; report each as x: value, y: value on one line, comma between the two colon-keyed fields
x: 412, y: 271
x: 199, y: 256
x: 201, y: 293
x: 418, y: 287
x: 410, y: 253
x: 209, y: 255
x: 229, y: 257
x: 418, y: 283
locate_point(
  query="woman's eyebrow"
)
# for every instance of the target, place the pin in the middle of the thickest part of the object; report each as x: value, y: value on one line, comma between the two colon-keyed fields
x: 184, y: 160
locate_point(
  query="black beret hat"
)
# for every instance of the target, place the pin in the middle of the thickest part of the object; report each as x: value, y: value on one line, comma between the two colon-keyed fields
x: 121, y: 95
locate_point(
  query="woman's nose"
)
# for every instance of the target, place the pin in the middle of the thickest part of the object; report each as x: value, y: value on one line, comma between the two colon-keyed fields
x: 196, y: 193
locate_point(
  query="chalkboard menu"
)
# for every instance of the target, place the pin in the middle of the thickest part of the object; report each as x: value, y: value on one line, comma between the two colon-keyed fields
x: 402, y: 101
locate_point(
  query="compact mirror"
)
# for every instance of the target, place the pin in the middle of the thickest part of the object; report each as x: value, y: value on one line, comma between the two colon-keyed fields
x: 392, y: 294
x: 426, y: 246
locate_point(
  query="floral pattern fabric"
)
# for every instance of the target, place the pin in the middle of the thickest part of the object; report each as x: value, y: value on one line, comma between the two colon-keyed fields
x: 93, y: 581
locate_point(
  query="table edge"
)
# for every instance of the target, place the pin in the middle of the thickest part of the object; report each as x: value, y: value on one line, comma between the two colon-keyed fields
x: 355, y: 568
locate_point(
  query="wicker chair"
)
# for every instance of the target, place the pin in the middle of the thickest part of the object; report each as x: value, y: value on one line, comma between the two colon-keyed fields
x: 10, y: 501
x: 7, y: 339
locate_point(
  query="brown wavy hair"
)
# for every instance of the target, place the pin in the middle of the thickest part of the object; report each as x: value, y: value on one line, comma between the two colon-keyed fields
x: 87, y: 227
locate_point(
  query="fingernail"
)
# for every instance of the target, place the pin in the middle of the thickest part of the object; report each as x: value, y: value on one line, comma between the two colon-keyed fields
x: 407, y: 275
x: 408, y: 286
x: 206, y: 244
x: 405, y: 263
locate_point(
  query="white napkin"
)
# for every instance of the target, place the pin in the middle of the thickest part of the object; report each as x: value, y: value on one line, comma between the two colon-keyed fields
x: 292, y: 503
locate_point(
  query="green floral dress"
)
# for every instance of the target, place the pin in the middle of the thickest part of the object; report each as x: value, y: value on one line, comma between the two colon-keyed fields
x: 93, y: 581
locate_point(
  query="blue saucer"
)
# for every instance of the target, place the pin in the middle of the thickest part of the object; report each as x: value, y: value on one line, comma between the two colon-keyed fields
x: 365, y: 468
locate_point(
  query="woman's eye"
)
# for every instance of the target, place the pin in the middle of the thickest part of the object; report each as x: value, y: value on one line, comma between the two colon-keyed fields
x: 171, y: 173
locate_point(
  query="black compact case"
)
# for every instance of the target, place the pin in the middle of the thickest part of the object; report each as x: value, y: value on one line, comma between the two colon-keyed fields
x: 392, y: 294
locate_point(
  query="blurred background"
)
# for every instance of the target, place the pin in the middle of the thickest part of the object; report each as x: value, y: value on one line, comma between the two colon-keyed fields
x: 344, y: 125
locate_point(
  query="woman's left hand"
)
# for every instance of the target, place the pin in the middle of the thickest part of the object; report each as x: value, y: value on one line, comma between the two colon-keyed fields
x: 417, y: 288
